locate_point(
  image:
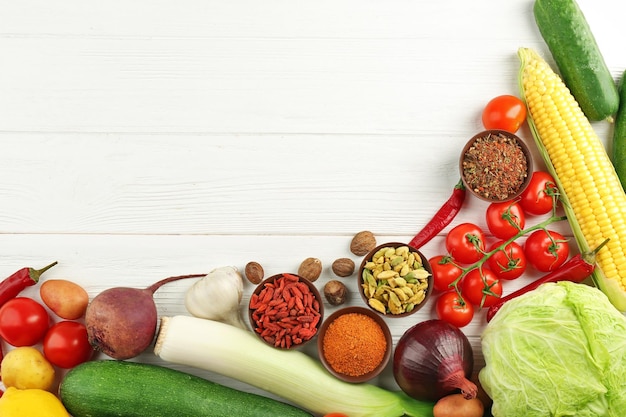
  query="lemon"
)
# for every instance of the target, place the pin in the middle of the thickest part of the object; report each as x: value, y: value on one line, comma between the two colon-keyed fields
x: 31, y: 403
x: 26, y: 368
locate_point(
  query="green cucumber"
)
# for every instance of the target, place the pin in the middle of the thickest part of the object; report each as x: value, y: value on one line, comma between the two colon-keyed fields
x: 108, y: 388
x: 577, y: 56
x: 618, y: 148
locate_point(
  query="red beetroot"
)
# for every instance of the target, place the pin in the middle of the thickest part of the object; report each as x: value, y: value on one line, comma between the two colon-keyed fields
x: 121, y: 322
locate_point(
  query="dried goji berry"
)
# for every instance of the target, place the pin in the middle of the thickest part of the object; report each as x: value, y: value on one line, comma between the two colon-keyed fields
x: 285, y: 312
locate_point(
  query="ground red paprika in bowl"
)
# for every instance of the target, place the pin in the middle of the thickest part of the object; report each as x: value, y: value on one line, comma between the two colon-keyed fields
x: 354, y: 344
x: 286, y: 310
x: 496, y: 165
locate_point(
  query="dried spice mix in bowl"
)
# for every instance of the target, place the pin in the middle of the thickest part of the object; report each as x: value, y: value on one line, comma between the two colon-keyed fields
x: 496, y: 165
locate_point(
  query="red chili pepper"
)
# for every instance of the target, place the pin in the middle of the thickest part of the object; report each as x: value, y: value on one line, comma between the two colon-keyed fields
x: 576, y: 269
x: 11, y: 286
x: 442, y: 218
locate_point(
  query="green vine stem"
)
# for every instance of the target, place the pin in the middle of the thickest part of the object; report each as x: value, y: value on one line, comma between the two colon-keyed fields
x: 475, y: 240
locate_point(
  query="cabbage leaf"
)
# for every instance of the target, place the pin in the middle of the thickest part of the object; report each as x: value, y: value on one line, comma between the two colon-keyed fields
x: 557, y: 351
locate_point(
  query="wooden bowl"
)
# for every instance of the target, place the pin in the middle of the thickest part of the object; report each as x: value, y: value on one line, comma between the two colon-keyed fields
x: 487, y: 177
x: 292, y: 314
x: 356, y: 344
x: 389, y: 311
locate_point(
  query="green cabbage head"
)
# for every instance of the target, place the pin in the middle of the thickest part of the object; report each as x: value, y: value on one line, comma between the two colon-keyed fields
x: 557, y: 351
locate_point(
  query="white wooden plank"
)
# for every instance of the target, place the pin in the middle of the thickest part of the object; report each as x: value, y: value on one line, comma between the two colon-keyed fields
x: 272, y: 18
x: 227, y: 184
x: 219, y: 184
x: 379, y: 74
x: 382, y: 70
x: 275, y: 85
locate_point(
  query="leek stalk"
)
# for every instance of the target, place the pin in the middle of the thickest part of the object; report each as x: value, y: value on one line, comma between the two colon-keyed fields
x: 290, y: 374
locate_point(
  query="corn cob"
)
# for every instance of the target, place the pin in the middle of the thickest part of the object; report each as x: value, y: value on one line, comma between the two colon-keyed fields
x: 593, y: 198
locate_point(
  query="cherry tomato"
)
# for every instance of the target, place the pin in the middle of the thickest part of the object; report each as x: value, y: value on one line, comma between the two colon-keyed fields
x: 505, y: 220
x: 546, y: 251
x: 336, y: 415
x: 23, y: 321
x: 66, y: 344
x: 481, y: 287
x: 452, y: 308
x: 509, y: 262
x: 538, y: 197
x: 444, y: 272
x: 466, y: 243
x: 504, y: 112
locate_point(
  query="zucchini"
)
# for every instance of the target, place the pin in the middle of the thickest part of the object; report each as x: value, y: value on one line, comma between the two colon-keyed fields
x: 577, y: 56
x: 107, y: 388
x: 618, y: 151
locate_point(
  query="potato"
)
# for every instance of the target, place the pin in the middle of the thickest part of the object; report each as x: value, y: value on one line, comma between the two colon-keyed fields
x: 26, y: 368
x: 66, y: 299
x: 455, y: 405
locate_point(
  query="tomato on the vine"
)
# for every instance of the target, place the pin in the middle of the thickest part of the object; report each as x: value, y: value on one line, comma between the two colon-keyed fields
x: 66, y: 344
x: 444, y: 272
x: 509, y: 262
x: 481, y: 287
x: 452, y: 308
x: 466, y: 243
x: 505, y: 219
x: 23, y: 322
x: 505, y: 112
x: 546, y: 250
x: 539, y: 197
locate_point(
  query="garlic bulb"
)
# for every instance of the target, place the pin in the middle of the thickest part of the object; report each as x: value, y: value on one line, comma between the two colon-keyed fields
x: 217, y: 296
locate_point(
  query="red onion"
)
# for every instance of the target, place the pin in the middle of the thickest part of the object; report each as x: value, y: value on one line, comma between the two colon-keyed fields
x: 433, y: 359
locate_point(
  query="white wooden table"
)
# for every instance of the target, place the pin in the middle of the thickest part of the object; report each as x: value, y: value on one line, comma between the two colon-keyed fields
x: 153, y: 138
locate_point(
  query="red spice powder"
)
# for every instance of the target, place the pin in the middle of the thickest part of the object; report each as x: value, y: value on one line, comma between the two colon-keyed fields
x: 354, y: 344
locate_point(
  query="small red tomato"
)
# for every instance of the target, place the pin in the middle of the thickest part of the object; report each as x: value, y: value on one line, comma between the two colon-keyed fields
x: 509, y: 262
x: 336, y: 415
x: 23, y: 321
x: 540, y: 195
x: 504, y: 112
x: 505, y: 219
x: 66, y: 344
x: 466, y: 243
x: 444, y: 272
x: 546, y: 250
x: 481, y: 287
x: 453, y: 309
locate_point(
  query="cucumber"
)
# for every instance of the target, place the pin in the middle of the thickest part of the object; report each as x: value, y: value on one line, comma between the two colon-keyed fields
x: 577, y: 56
x: 618, y: 151
x: 107, y: 388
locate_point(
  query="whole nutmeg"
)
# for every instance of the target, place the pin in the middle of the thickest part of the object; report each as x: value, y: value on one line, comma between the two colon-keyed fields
x: 343, y: 267
x: 310, y: 269
x: 254, y: 272
x: 335, y: 292
x: 362, y: 243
